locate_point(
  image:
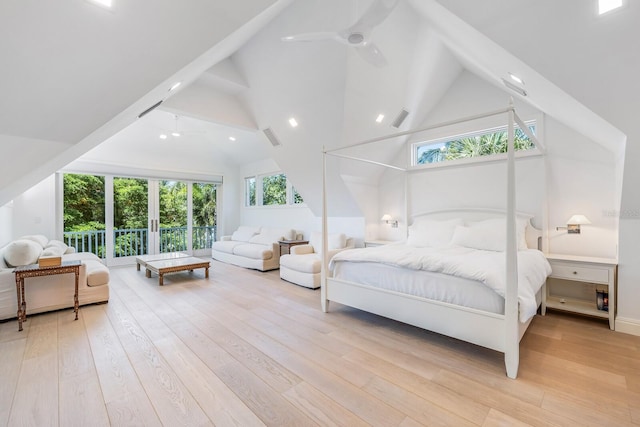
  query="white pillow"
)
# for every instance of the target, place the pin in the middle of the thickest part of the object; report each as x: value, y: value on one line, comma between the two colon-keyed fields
x: 53, y: 251
x: 244, y: 233
x: 269, y: 235
x: 489, y: 235
x: 38, y: 238
x: 58, y: 244
x: 334, y: 241
x: 22, y: 252
x: 432, y: 233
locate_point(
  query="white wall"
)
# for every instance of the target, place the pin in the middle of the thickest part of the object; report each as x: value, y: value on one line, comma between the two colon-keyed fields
x: 34, y: 210
x: 300, y: 218
x: 6, y: 223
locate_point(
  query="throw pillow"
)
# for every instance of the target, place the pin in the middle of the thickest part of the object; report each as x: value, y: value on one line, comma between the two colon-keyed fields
x: 244, y: 233
x: 22, y: 252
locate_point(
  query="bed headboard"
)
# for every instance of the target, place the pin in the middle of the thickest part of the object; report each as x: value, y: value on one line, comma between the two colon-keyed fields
x: 533, y: 235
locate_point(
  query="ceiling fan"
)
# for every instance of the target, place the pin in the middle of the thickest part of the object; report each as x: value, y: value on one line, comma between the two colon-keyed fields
x: 357, y: 35
x: 176, y: 132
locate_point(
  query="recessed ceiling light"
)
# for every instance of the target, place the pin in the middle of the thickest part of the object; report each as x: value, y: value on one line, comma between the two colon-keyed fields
x: 175, y: 86
x: 232, y: 138
x: 516, y: 78
x: 163, y: 136
x: 380, y: 118
x: 605, y: 6
x: 103, y: 3
x: 175, y: 134
x: 293, y: 122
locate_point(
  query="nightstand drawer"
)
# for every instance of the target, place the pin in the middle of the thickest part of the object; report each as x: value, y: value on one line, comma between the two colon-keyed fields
x: 584, y: 274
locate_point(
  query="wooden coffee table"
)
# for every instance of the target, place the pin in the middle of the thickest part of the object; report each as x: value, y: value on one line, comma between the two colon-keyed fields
x: 144, y: 259
x: 175, y: 265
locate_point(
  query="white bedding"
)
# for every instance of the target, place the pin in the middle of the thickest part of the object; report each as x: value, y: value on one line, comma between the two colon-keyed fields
x: 486, y: 267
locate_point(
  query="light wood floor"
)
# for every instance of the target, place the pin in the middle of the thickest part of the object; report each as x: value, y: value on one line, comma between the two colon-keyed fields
x: 245, y: 348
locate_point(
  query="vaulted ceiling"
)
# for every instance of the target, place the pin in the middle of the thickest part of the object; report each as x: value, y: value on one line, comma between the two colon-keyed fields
x: 89, y: 72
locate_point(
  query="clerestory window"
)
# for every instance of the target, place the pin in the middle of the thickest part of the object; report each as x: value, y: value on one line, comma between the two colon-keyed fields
x: 487, y: 143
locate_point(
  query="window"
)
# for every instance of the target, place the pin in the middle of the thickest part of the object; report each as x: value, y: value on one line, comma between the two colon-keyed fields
x: 250, y: 191
x: 297, y: 198
x: 270, y: 190
x: 274, y: 190
x: 471, y: 145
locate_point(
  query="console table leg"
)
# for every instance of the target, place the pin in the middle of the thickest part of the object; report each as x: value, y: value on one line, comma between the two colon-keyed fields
x: 76, y: 303
x: 206, y: 272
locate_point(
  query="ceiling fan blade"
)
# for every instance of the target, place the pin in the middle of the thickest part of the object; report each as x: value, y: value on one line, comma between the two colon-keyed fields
x: 312, y: 37
x: 374, y: 16
x: 370, y: 53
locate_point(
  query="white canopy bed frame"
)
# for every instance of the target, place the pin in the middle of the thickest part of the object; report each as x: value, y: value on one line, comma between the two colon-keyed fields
x: 500, y: 332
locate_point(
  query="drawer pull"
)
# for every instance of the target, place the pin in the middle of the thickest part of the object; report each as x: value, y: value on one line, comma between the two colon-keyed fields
x: 575, y: 272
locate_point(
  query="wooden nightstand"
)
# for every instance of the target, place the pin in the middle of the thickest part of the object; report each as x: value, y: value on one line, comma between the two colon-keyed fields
x: 374, y: 243
x: 285, y: 245
x: 573, y: 283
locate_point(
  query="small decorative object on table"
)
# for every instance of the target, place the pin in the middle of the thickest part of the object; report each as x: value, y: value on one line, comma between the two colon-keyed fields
x: 602, y: 300
x: 49, y: 261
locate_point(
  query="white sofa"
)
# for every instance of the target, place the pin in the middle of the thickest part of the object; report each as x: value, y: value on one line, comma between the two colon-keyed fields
x: 49, y: 292
x: 252, y: 247
x: 302, y: 266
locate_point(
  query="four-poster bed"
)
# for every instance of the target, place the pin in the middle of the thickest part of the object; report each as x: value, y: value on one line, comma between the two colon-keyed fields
x: 500, y: 328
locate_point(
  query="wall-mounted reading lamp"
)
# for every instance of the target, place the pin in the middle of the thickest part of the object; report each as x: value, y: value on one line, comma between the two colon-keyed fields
x: 573, y: 224
x: 389, y: 220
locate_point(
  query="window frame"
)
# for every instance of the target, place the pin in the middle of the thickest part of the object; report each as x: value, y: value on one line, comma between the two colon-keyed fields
x: 470, y: 132
x: 259, y: 202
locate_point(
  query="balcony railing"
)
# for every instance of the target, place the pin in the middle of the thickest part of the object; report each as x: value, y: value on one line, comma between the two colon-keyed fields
x: 134, y: 241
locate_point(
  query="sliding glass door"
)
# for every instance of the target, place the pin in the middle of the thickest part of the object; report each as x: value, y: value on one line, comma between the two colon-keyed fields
x: 119, y: 218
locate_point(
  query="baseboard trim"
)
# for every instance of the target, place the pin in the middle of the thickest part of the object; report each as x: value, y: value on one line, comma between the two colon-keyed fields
x: 628, y: 326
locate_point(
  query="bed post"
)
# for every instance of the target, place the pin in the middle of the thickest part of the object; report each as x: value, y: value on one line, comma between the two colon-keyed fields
x: 511, y: 327
x: 325, y: 263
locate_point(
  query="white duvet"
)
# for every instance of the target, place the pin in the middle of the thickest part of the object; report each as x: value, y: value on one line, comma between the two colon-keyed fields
x: 486, y: 267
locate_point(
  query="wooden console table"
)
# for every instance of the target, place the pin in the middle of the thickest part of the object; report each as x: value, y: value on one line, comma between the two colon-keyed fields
x: 34, y: 270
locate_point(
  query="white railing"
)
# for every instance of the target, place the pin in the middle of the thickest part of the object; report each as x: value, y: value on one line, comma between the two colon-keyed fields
x: 134, y: 241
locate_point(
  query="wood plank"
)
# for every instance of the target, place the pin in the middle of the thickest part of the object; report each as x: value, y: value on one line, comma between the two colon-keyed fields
x: 511, y: 406
x: 9, y: 330
x: 81, y: 401
x: 11, y: 353
x: 36, y: 397
x: 320, y: 408
x: 371, y: 410
x: 582, y: 412
x: 434, y: 409
x: 498, y: 419
x: 126, y: 401
x: 171, y: 399
x: 225, y: 342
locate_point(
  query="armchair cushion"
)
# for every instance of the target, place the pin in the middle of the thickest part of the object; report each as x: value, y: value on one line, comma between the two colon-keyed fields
x: 301, y: 250
x: 306, y: 264
x: 334, y: 241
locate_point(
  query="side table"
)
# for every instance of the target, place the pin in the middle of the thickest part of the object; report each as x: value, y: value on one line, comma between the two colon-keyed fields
x: 583, y: 275
x: 34, y: 270
x: 285, y: 245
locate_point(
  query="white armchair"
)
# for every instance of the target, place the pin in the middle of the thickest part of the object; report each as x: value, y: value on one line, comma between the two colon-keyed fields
x: 302, y: 266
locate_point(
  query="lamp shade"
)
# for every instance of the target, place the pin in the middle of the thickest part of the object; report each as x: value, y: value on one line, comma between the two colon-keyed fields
x: 386, y: 217
x: 578, y: 219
